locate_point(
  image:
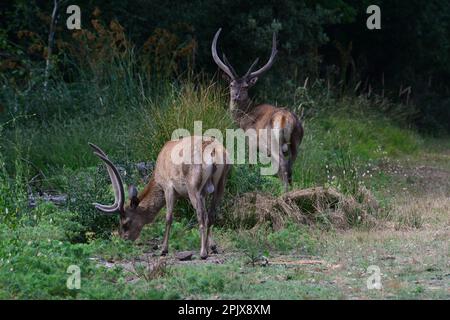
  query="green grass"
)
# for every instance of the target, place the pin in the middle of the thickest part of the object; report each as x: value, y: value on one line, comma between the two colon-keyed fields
x: 35, y: 267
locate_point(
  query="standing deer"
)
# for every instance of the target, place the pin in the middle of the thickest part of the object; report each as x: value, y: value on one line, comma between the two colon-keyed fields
x: 247, y: 115
x: 171, y: 180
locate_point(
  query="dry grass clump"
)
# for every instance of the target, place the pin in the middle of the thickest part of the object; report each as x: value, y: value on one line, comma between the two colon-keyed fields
x: 312, y: 206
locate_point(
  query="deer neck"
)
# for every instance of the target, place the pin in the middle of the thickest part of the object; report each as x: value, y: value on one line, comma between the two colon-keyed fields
x: 241, y: 112
x: 151, y: 200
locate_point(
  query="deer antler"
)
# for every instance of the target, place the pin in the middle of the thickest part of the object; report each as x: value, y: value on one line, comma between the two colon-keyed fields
x: 119, y: 194
x: 269, y: 63
x: 251, y: 67
x: 219, y: 62
x: 228, y: 64
x: 228, y: 68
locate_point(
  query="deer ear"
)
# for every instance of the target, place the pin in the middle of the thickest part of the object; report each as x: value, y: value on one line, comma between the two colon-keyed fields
x: 252, y: 81
x: 226, y: 77
x: 132, y: 195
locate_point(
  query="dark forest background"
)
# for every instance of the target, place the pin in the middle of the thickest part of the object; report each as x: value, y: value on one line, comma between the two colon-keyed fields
x: 408, y: 60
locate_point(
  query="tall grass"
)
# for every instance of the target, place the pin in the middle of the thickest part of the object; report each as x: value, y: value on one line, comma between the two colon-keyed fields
x: 339, y: 147
x: 13, y: 187
x: 195, y: 100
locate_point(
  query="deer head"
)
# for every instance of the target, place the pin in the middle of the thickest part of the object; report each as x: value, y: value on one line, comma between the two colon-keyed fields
x: 239, y: 85
x: 132, y: 217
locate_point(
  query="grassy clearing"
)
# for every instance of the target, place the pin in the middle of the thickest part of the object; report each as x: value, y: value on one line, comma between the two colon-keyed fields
x: 35, y: 266
x: 131, y: 121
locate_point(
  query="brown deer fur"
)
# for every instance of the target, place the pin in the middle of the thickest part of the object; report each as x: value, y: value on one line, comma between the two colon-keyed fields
x: 247, y: 115
x: 169, y: 182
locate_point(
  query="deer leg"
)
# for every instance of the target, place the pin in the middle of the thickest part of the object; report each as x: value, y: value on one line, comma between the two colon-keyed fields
x: 204, y: 227
x: 283, y: 172
x: 170, y: 202
x: 286, y: 183
x: 211, y: 218
x: 217, y: 197
x: 199, y: 205
x: 296, y: 139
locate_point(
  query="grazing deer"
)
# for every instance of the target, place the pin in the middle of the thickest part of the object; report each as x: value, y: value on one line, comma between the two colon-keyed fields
x: 264, y: 116
x: 171, y: 180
